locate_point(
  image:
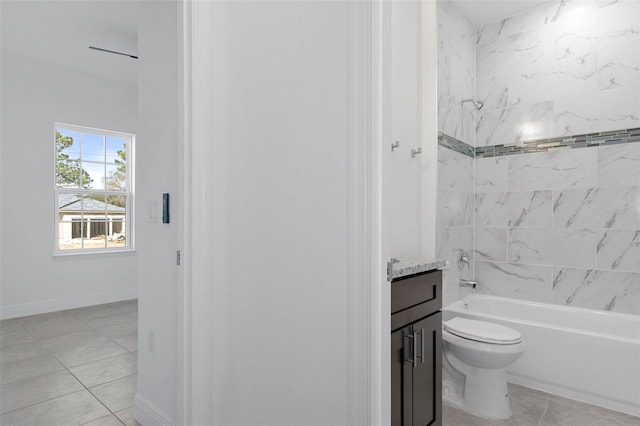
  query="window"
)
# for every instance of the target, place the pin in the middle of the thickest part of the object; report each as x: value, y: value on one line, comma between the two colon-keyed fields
x: 93, y: 189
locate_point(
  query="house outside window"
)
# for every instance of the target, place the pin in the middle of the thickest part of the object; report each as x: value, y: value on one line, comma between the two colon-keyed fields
x: 93, y: 189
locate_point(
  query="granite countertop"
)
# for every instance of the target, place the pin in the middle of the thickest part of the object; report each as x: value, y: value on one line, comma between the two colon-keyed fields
x: 403, y: 266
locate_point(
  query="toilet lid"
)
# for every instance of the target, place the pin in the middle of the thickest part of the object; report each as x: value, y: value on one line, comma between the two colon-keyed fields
x: 482, y: 331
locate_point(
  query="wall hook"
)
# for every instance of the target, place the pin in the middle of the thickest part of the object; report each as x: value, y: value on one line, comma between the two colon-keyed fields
x: 415, y: 152
x: 395, y: 145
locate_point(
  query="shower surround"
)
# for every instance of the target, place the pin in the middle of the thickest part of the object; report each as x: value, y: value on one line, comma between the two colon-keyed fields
x: 561, y: 226
x: 456, y: 187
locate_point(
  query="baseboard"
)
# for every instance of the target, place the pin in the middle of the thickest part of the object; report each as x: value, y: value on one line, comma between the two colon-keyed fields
x: 148, y: 414
x: 22, y: 310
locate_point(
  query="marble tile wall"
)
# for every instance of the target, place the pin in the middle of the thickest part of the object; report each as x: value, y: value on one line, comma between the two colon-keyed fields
x: 561, y: 227
x: 455, y: 218
x: 456, y: 74
x: 566, y: 67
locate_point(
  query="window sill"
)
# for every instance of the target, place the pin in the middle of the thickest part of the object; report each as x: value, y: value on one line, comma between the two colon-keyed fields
x: 109, y: 253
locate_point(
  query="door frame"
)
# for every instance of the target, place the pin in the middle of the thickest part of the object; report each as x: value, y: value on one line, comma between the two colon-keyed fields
x: 201, y: 177
x: 201, y: 44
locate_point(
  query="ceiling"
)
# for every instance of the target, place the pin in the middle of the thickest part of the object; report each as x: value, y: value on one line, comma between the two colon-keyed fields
x: 482, y: 12
x: 60, y: 32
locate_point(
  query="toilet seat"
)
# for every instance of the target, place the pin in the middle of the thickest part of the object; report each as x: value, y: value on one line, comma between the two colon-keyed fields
x: 482, y: 331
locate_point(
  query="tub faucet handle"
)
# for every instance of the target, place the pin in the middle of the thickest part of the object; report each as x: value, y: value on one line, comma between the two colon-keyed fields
x: 463, y: 259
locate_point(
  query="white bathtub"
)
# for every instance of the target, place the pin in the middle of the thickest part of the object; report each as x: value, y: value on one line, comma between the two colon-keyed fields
x: 582, y: 354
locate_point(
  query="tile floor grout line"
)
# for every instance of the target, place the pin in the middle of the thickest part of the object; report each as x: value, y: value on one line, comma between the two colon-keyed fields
x: 112, y: 325
x: 97, y: 360
x: 545, y: 411
x: 104, y: 417
x: 100, y: 384
x: 126, y: 349
x: 96, y: 398
x: 105, y: 359
x: 100, y: 328
x: 67, y: 369
x: 105, y: 406
x: 46, y: 400
x: 80, y: 390
x: 37, y: 341
x: 110, y: 381
x: 107, y: 326
x: 89, y: 390
x: 114, y: 380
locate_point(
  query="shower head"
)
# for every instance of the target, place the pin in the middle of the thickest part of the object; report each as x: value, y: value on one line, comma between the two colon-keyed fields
x: 476, y: 104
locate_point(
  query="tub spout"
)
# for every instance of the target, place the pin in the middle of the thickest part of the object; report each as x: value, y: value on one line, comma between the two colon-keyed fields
x: 467, y: 283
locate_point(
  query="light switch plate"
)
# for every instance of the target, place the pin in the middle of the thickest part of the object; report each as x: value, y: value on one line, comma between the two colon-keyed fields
x: 154, y: 211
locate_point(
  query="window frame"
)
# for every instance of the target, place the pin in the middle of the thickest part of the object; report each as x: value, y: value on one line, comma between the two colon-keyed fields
x: 128, y: 194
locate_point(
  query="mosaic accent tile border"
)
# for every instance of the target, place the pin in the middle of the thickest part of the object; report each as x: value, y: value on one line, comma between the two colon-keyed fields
x: 588, y: 140
x: 563, y: 142
x: 455, y: 145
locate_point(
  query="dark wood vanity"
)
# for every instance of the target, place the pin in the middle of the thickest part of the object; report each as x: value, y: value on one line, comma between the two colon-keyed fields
x: 416, y: 349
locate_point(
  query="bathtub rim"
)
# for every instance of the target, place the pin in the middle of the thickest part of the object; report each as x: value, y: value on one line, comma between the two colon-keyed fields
x: 457, y: 306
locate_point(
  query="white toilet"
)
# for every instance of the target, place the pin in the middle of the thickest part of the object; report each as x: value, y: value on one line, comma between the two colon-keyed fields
x: 475, y: 356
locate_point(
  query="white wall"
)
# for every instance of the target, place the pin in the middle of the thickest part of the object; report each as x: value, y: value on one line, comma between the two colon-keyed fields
x: 403, y: 200
x: 428, y: 107
x: 279, y: 288
x: 35, y: 96
x: 286, y: 215
x: 410, y: 196
x: 156, y: 160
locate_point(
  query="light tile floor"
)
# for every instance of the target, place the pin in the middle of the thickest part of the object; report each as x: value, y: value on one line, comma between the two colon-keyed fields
x: 70, y: 368
x: 78, y: 367
x: 534, y: 408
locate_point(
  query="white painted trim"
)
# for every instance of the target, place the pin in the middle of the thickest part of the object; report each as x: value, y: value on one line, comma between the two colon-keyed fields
x: 428, y: 123
x: 359, y: 187
x: 204, y: 173
x: 379, y: 227
x: 1, y: 187
x: 53, y: 305
x: 368, y: 293
x: 183, y: 293
x: 148, y: 414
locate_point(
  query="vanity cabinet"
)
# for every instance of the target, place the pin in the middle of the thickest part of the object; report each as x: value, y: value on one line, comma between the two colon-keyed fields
x: 416, y: 350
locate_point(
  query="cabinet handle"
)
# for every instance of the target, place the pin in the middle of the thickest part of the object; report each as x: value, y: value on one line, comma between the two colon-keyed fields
x: 421, y: 356
x: 413, y: 359
x: 415, y: 354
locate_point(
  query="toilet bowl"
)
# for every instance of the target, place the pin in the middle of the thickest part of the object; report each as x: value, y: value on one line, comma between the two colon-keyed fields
x: 475, y: 356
